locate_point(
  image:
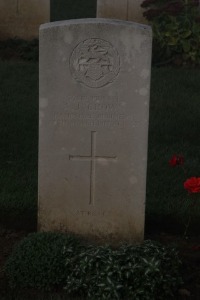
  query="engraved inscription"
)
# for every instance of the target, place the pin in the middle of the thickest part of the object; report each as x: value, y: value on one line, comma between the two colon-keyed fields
x: 91, y: 213
x: 93, y: 111
x: 97, y: 99
x: 95, y: 63
x: 91, y: 106
x: 80, y: 120
x: 92, y: 158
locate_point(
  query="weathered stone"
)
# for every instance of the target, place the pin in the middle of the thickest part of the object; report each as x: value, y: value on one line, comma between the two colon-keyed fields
x: 129, y: 10
x: 94, y: 107
x: 22, y: 18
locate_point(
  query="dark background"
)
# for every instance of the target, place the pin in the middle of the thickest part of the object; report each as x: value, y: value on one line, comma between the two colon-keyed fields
x: 72, y: 9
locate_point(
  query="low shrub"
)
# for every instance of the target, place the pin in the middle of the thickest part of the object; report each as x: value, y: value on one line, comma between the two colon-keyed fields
x: 147, y: 271
x: 38, y: 261
x: 55, y: 260
x: 176, y: 30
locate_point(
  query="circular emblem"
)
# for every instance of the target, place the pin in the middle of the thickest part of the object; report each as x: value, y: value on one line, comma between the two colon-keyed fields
x: 95, y: 63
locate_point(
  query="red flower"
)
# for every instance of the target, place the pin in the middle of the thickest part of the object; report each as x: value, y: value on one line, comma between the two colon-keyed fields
x: 192, y: 185
x: 176, y: 160
x: 196, y: 248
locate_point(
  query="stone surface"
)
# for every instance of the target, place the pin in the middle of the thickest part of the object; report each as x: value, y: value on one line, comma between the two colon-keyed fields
x: 94, y: 107
x: 22, y: 18
x: 129, y: 10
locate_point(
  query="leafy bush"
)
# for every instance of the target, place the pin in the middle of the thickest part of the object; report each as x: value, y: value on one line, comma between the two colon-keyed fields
x: 176, y: 29
x: 147, y: 271
x: 49, y: 260
x: 39, y: 260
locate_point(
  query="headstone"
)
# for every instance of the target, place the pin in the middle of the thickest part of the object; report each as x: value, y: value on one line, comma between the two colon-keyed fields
x: 22, y: 18
x: 94, y: 107
x: 129, y: 10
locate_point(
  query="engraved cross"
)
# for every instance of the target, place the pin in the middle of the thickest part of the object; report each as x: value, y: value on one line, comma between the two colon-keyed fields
x: 92, y: 158
x: 17, y: 7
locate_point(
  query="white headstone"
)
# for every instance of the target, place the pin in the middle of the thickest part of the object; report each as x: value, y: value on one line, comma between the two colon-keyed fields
x: 94, y: 108
x: 129, y: 10
x: 22, y: 18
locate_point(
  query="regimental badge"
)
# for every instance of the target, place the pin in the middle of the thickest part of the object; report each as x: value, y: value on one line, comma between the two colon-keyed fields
x: 95, y: 63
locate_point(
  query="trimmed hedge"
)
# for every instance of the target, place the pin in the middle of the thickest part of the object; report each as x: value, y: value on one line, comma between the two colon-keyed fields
x: 38, y: 261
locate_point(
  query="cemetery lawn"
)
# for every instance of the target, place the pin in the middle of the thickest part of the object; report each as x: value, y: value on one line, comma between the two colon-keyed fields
x: 72, y: 9
x: 174, y: 129
x: 18, y: 144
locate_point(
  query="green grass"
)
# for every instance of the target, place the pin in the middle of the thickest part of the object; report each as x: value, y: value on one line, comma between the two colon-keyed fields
x: 72, y: 9
x: 18, y: 143
x: 174, y: 128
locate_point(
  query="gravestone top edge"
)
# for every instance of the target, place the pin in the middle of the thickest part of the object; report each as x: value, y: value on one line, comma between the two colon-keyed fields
x: 95, y: 21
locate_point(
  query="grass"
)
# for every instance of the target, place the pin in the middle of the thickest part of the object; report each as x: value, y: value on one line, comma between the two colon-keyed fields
x: 72, y: 9
x: 18, y: 143
x: 174, y: 128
